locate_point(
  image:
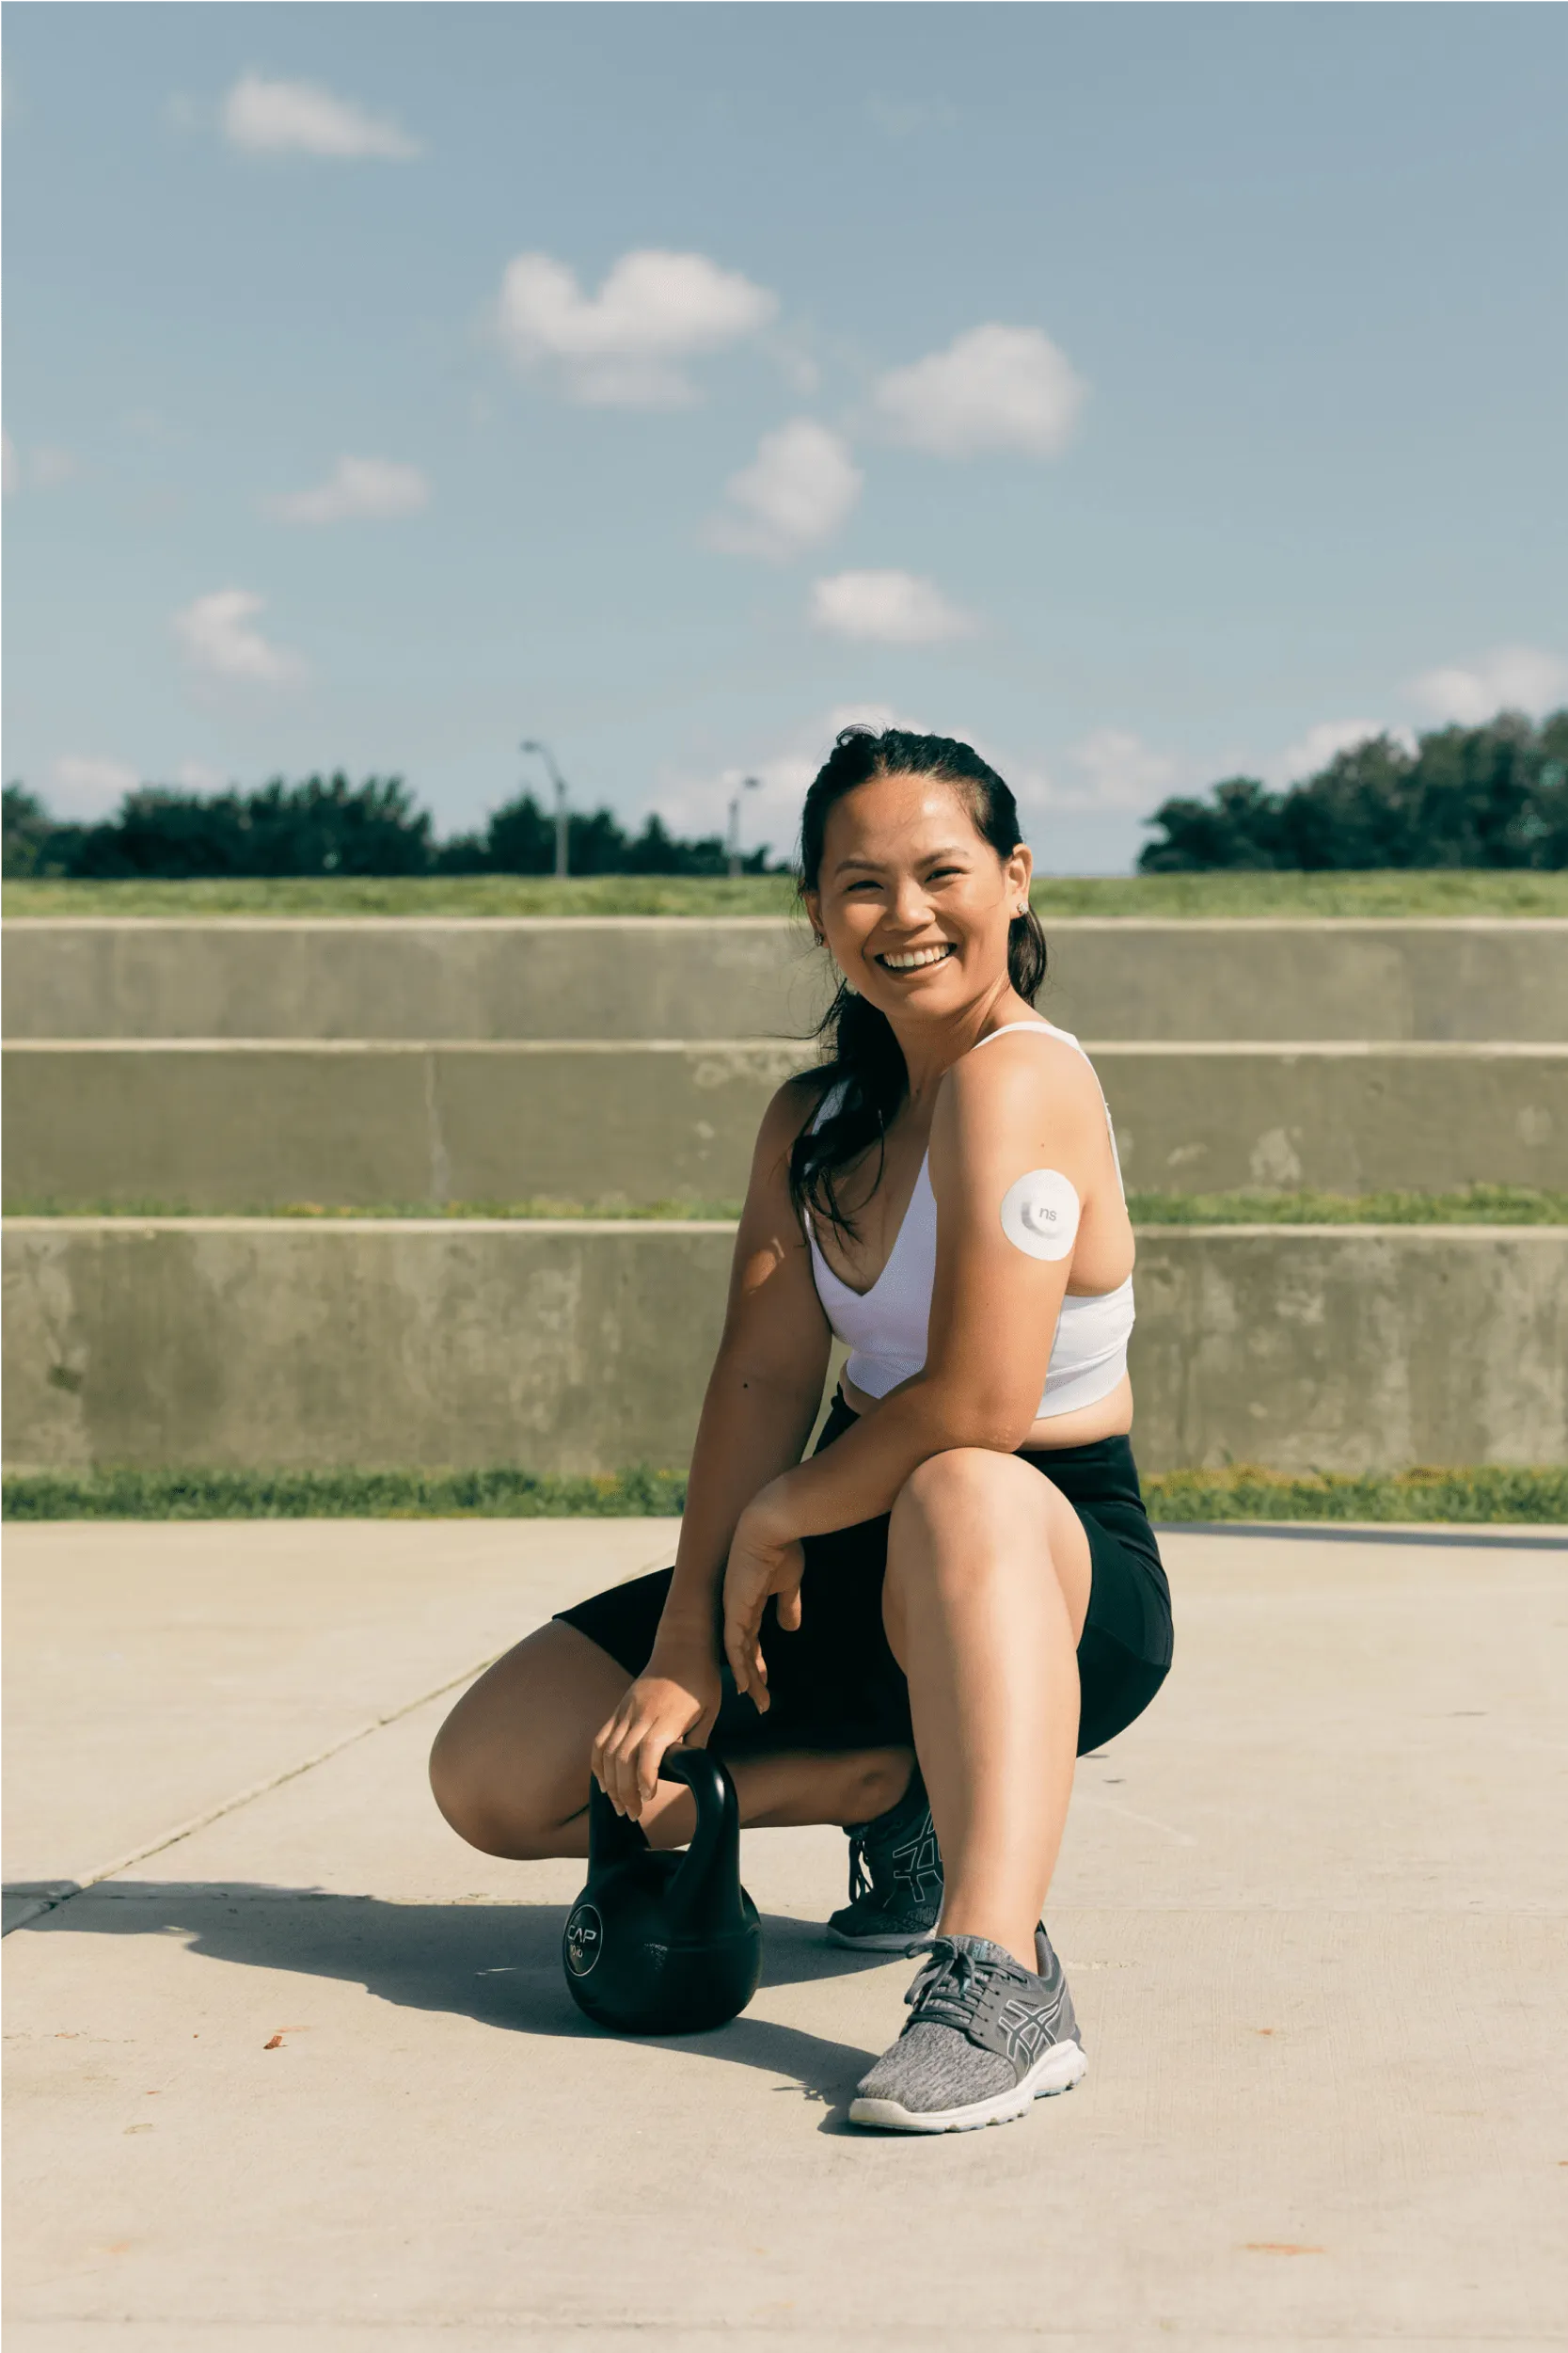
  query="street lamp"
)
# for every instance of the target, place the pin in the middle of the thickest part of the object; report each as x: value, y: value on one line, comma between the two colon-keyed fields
x: 560, y: 783
x: 748, y: 783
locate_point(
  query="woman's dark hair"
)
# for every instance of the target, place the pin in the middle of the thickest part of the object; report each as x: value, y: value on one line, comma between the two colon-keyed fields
x: 864, y: 1063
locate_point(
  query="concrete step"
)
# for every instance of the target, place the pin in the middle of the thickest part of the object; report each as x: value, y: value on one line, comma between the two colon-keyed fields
x: 573, y: 1347
x: 658, y: 977
x: 245, y: 1126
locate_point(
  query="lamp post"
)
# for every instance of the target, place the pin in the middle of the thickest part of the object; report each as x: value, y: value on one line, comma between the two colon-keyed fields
x: 560, y: 783
x: 748, y: 783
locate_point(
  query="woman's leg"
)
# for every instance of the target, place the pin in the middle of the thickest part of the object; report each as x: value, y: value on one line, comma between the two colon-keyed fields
x: 509, y: 1765
x: 986, y: 1589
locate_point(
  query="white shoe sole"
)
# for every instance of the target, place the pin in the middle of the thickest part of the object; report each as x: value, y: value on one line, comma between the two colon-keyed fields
x: 879, y: 1943
x: 1057, y: 2069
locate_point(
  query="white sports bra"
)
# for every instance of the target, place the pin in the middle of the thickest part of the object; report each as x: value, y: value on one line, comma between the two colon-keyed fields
x: 885, y: 1328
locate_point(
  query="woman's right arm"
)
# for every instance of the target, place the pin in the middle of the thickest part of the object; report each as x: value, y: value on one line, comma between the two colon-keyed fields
x: 762, y: 1400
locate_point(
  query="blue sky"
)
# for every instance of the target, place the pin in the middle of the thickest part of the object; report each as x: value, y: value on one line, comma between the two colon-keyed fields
x: 1143, y: 393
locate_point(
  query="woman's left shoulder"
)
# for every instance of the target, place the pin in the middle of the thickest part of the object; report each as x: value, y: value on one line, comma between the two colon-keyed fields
x: 1023, y: 1071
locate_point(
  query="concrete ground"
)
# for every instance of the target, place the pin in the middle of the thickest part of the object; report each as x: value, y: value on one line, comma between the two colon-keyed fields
x: 1312, y: 1909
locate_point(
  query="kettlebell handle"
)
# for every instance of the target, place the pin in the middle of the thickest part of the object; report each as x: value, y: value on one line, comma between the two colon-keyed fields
x: 705, y: 1891
x: 696, y: 1767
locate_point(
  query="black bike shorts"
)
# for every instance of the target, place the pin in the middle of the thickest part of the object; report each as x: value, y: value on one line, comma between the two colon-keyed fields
x: 835, y: 1684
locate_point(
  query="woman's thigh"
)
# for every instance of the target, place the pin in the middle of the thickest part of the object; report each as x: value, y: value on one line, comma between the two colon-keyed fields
x: 510, y: 1764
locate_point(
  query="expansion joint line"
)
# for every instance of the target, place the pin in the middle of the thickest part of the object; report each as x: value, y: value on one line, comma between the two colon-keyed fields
x: 54, y: 1898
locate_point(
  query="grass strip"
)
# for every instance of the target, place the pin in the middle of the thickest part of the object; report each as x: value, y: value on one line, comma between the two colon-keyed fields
x: 1475, y: 1205
x: 1489, y: 1493
x: 532, y: 1209
x: 1169, y: 897
x: 500, y: 1493
x: 1484, y: 1496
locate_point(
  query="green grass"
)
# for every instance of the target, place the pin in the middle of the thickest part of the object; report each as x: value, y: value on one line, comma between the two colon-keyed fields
x: 1484, y: 1496
x: 503, y: 1493
x: 1476, y: 1205
x: 534, y: 1207
x: 1189, y: 895
x: 1490, y: 1494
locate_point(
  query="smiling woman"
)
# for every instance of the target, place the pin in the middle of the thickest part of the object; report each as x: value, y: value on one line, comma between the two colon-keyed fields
x: 866, y: 1075
x: 913, y: 1631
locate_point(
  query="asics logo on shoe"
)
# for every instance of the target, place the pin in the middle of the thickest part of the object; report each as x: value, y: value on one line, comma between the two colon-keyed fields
x: 917, y: 1864
x: 1026, y: 2030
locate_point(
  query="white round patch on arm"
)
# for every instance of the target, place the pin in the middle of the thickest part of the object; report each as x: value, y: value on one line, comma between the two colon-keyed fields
x: 1040, y: 1213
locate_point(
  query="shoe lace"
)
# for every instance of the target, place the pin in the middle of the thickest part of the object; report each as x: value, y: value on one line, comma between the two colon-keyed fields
x: 951, y: 1985
x: 860, y: 1877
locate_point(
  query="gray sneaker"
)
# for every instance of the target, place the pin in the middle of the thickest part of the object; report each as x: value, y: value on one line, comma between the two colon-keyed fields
x: 894, y: 1878
x: 985, y: 2039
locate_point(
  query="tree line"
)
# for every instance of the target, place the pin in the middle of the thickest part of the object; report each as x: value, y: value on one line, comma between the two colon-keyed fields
x: 326, y: 825
x: 1491, y: 796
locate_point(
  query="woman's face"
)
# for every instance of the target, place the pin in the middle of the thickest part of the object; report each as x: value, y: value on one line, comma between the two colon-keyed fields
x: 913, y: 903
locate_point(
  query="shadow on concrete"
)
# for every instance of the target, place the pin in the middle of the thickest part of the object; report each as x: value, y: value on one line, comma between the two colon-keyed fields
x: 498, y: 1963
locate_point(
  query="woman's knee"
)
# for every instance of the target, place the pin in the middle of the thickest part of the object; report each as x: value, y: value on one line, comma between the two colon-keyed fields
x: 961, y: 1520
x: 463, y: 1782
x: 965, y: 1519
x: 509, y: 1769
x: 965, y: 1487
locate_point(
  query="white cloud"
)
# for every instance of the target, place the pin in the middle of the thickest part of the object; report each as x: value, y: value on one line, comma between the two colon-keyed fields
x: 904, y: 118
x: 695, y: 804
x: 50, y: 466
x: 371, y: 488
x: 797, y: 490
x: 1119, y: 770
x: 196, y: 776
x: 887, y: 609
x: 1112, y: 770
x: 996, y: 388
x: 1313, y: 750
x: 42, y: 468
x: 87, y: 786
x: 1510, y: 677
x: 620, y: 347
x: 299, y: 117
x: 216, y: 636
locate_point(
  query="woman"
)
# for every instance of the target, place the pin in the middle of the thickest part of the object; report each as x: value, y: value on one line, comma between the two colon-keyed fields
x: 915, y: 1630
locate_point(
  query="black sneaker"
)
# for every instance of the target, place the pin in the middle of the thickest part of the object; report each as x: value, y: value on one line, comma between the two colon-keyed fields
x: 985, y: 2040
x: 894, y: 1878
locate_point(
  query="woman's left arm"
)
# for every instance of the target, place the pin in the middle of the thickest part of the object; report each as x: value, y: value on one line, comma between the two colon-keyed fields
x: 1025, y: 1105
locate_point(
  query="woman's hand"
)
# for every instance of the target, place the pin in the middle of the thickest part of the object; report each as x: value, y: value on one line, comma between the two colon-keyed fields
x: 762, y: 1561
x: 672, y: 1704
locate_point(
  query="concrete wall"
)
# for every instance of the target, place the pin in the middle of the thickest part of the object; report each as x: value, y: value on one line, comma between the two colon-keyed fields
x: 746, y: 977
x: 1352, y: 1348
x: 232, y: 1127
x: 570, y: 1348
x: 249, y: 1342
x: 633, y: 976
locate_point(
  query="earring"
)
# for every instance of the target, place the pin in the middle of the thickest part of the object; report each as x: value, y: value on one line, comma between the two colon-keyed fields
x: 1024, y: 910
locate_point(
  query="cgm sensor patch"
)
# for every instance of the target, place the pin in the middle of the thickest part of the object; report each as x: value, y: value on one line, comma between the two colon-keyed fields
x: 1040, y: 1213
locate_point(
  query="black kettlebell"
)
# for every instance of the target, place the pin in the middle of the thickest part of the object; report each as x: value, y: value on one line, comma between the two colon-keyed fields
x: 665, y: 1944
